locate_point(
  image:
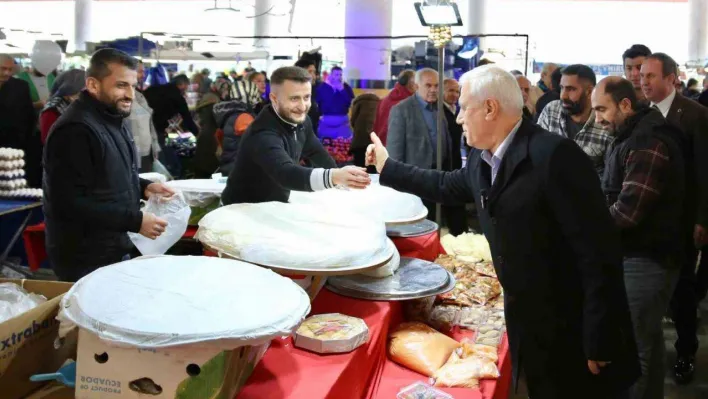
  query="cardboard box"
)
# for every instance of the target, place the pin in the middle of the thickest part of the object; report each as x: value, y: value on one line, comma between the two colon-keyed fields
x: 27, y: 341
x: 181, y: 372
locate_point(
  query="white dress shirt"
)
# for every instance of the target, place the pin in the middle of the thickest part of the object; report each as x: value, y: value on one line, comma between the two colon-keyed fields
x: 665, y: 104
x: 495, y: 160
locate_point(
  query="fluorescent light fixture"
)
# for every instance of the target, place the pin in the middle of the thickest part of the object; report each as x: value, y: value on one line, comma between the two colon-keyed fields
x: 442, y: 12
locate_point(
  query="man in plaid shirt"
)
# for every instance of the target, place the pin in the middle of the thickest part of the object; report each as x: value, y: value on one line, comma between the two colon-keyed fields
x: 572, y: 115
x: 644, y: 183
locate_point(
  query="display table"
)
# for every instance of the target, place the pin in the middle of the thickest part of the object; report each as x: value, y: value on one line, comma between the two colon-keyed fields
x: 16, y: 207
x: 289, y: 372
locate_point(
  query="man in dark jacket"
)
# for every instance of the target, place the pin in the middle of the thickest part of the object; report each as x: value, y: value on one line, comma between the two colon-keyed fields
x: 551, y: 95
x: 362, y: 120
x: 644, y: 184
x: 268, y: 162
x: 658, y: 75
x: 17, y: 118
x: 555, y: 247
x: 404, y: 88
x: 91, y: 187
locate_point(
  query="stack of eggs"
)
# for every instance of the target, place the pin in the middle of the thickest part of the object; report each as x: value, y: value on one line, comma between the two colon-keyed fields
x: 12, y: 175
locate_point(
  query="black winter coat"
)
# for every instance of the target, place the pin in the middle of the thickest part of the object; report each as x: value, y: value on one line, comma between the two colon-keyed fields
x: 92, y: 190
x: 557, y: 254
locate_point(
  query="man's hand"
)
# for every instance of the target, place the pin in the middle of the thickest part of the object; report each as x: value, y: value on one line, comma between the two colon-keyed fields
x: 596, y: 366
x: 351, y: 176
x: 699, y: 236
x: 152, y: 226
x: 376, y: 153
x: 159, y: 189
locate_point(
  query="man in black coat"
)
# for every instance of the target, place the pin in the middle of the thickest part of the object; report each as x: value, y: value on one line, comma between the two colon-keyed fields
x: 555, y: 248
x: 17, y: 117
x: 92, y: 190
x: 644, y: 183
x: 658, y: 74
x: 268, y: 166
x: 455, y: 216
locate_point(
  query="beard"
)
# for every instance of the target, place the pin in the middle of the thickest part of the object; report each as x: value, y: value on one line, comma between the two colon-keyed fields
x: 288, y: 116
x: 113, y: 105
x: 573, y: 107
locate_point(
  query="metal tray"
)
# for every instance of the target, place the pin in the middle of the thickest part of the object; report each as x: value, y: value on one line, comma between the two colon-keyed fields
x: 414, y: 279
x: 416, y: 229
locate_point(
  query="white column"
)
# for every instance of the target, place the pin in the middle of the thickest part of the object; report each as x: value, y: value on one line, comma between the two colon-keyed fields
x: 82, y: 23
x: 476, y: 17
x: 271, y: 25
x: 368, y: 61
x: 697, y: 31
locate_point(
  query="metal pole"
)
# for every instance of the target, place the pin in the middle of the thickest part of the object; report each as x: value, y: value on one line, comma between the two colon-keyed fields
x: 440, y: 123
x: 526, y: 58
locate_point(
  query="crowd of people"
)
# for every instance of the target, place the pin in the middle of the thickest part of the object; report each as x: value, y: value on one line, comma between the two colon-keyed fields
x: 592, y: 194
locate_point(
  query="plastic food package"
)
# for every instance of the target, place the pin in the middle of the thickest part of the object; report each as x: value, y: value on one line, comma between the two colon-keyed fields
x: 485, y: 269
x: 487, y: 335
x: 421, y: 390
x: 15, y: 300
x: 418, y: 309
x: 472, y: 317
x: 295, y: 236
x: 199, y: 192
x: 484, y: 289
x: 389, y: 268
x: 458, y: 295
x: 474, y: 245
x: 176, y: 212
x: 465, y: 372
x: 420, y: 348
x: 377, y: 202
x: 331, y: 333
x: 469, y: 348
x: 163, y: 301
x: 442, y: 318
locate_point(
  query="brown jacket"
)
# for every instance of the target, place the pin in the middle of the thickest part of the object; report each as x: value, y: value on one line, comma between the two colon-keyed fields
x: 362, y: 119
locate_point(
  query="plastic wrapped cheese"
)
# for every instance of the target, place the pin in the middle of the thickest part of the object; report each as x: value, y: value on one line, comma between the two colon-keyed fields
x: 376, y: 201
x: 331, y: 333
x: 295, y: 236
x: 472, y: 245
x: 420, y: 348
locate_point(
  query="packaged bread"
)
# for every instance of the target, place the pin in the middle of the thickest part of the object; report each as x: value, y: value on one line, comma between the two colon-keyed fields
x: 467, y: 365
x: 331, y: 333
x: 420, y: 348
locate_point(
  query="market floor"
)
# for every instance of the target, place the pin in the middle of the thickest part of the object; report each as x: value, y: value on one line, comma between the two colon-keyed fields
x: 698, y: 389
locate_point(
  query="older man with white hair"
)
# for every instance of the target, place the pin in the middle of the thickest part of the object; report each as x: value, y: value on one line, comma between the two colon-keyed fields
x: 554, y: 245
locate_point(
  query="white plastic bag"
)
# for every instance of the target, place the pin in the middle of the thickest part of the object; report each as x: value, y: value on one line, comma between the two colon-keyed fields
x: 176, y: 212
x: 14, y: 301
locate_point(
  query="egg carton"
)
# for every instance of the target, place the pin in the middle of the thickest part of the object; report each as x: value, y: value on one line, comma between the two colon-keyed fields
x: 10, y: 154
x: 12, y: 174
x: 13, y: 184
x: 12, y: 165
x: 34, y: 193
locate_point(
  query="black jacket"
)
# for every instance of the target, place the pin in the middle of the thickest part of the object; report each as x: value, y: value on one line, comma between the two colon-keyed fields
x: 91, y: 189
x: 657, y: 233
x: 17, y: 117
x: 557, y: 254
x: 692, y: 119
x: 455, y: 139
x: 166, y: 102
x: 268, y: 162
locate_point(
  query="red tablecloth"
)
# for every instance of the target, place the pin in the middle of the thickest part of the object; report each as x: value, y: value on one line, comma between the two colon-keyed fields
x: 289, y: 372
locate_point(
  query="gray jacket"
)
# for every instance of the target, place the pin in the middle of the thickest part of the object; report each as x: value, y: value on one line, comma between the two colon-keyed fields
x: 408, y: 139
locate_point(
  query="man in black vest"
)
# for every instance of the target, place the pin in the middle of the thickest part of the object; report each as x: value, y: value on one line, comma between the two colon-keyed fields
x: 92, y: 190
x: 644, y: 184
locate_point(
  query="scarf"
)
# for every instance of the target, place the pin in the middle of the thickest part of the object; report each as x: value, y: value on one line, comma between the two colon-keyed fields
x: 57, y: 102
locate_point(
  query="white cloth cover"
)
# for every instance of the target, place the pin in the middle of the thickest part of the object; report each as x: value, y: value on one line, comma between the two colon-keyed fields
x: 376, y: 201
x: 295, y: 236
x: 164, y: 301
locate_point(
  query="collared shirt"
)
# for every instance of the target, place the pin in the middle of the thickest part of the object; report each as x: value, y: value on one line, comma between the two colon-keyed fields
x: 593, y: 139
x: 494, y: 161
x: 665, y: 105
x: 430, y: 114
x: 452, y: 108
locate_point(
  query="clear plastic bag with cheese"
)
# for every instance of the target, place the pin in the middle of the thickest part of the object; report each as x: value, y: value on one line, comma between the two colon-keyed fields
x: 295, y: 236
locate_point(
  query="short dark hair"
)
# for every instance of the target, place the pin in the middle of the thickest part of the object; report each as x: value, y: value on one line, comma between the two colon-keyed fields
x: 668, y: 65
x: 181, y: 79
x: 405, y: 77
x: 305, y: 63
x: 637, y: 50
x: 556, y: 79
x: 583, y: 72
x: 293, y: 73
x: 252, y: 76
x: 336, y: 68
x: 691, y: 82
x: 621, y: 88
x: 101, y: 59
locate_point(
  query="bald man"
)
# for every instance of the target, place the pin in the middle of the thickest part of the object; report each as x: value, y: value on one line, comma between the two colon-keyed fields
x: 525, y: 86
x: 17, y: 118
x: 644, y: 184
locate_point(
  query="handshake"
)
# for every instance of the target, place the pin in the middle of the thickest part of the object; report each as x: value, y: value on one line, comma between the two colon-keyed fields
x: 356, y: 177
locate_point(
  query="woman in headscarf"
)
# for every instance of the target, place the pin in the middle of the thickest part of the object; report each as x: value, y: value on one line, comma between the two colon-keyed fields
x: 233, y: 118
x: 65, y: 90
x: 206, y: 161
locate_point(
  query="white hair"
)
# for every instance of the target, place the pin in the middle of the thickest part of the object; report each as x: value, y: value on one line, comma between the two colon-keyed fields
x: 419, y: 74
x: 491, y: 82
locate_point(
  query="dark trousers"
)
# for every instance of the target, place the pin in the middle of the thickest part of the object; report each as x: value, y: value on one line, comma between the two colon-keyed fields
x: 684, y: 304
x: 702, y: 275
x: 454, y: 217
